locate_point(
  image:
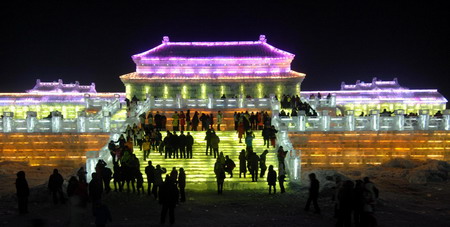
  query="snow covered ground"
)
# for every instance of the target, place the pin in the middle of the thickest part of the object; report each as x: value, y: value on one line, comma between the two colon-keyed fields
x: 401, y: 203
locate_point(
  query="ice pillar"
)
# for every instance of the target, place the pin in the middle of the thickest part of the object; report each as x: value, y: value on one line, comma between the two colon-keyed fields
x: 31, y: 121
x: 424, y: 119
x: 8, y: 121
x: 374, y: 120
x: 399, y: 120
x: 350, y: 120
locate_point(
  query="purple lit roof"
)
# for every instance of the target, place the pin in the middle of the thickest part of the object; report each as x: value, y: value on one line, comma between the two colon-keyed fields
x: 374, y: 85
x: 237, y: 49
x: 60, y: 87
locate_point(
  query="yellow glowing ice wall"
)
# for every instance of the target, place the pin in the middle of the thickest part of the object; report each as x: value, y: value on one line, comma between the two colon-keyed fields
x: 69, y: 111
x: 201, y: 90
x: 347, y: 148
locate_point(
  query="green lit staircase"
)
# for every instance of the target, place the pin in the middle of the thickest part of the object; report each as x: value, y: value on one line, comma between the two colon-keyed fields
x: 200, y: 169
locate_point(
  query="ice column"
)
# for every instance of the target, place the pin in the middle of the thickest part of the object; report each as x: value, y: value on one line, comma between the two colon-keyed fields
x: 350, y: 120
x: 106, y: 121
x: 7, y: 121
x: 56, y: 121
x: 446, y: 119
x: 325, y: 121
x: 31, y: 121
x: 210, y: 101
x: 81, y: 122
x: 399, y: 120
x: 374, y: 120
x: 301, y: 122
x: 424, y: 119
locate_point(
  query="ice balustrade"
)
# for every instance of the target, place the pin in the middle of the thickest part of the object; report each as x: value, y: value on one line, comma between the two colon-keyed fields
x: 208, y: 103
x: 57, y: 124
x: 324, y: 101
x: 374, y: 122
x: 117, y: 128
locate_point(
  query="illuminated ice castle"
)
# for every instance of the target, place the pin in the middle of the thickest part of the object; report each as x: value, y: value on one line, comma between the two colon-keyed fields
x: 197, y: 69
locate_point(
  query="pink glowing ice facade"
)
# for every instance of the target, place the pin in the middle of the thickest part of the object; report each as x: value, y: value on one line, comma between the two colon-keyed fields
x: 60, y: 87
x: 249, y: 68
x: 378, y: 92
x: 213, y: 60
x: 56, y: 92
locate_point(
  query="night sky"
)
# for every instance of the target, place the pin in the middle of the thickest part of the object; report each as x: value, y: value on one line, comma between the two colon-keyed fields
x: 333, y: 42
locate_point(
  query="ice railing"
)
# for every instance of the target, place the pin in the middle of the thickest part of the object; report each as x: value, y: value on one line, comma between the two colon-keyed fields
x: 292, y: 162
x: 208, y: 103
x: 373, y: 122
x: 117, y: 127
x: 57, y: 124
x: 324, y: 101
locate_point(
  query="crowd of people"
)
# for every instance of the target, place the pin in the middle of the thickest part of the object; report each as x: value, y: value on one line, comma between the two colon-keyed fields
x: 354, y: 201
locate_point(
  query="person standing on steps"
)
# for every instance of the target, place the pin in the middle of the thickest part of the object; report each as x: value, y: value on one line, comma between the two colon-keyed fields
x: 182, y: 184
x: 272, y: 179
x: 189, y: 144
x: 219, y: 120
x: 241, y: 128
x: 175, y: 122
x: 182, y: 118
x: 220, y: 176
x: 22, y: 192
x: 195, y: 121
x: 146, y: 146
x: 262, y: 163
x: 313, y: 193
x: 253, y: 163
x: 281, y: 178
x: 242, y: 163
x: 182, y: 144
x: 249, y: 140
x: 211, y: 121
x: 273, y: 136
x: 266, y: 135
x: 150, y: 172
x: 208, y: 141
x: 188, y: 120
x: 215, y: 140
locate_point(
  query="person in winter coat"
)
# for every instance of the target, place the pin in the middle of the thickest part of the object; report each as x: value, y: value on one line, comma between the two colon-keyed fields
x: 55, y: 183
x: 220, y: 176
x: 22, y: 192
x: 242, y: 163
x: 262, y: 163
x: 313, y: 193
x: 182, y: 119
x: 182, y: 184
x: 175, y: 122
x: 168, y: 198
x: 215, y: 140
x: 150, y: 172
x: 272, y: 179
x: 229, y: 165
x: 253, y: 166
x: 189, y: 144
x: 219, y: 120
x: 158, y: 180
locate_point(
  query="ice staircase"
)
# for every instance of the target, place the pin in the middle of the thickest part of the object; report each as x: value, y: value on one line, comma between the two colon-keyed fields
x: 200, y: 169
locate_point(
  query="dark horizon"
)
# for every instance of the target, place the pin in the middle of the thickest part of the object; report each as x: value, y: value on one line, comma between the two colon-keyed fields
x: 333, y: 42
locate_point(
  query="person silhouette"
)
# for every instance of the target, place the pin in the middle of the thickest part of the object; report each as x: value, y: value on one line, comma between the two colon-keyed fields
x: 22, y: 192
x: 313, y: 193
